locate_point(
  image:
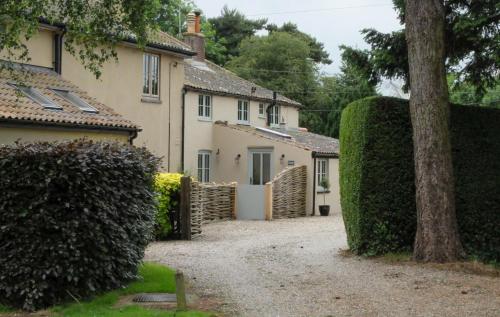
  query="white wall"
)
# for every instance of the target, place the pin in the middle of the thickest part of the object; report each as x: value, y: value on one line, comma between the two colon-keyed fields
x: 199, y: 133
x: 333, y: 197
x: 11, y: 134
x: 120, y: 87
x: 231, y: 142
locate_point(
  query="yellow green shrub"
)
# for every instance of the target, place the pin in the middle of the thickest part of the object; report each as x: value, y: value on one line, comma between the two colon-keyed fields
x: 167, y: 187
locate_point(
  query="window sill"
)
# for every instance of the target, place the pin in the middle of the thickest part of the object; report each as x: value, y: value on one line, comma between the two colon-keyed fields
x: 204, y: 119
x: 147, y: 99
x: 323, y: 192
x: 261, y: 117
x: 243, y: 122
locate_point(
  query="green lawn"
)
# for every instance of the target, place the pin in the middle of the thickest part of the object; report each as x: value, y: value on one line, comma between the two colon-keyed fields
x: 4, y: 309
x: 155, y: 279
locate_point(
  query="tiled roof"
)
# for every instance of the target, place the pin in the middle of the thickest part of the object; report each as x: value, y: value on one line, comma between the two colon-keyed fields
x: 157, y: 39
x: 166, y: 40
x: 306, y: 140
x: 210, y: 77
x: 15, y: 106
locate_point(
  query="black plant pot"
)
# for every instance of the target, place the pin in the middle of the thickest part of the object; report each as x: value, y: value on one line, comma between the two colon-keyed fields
x: 324, y: 210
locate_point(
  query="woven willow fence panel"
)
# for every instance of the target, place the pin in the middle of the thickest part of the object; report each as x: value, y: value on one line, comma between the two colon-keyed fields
x: 289, y: 193
x: 211, y: 202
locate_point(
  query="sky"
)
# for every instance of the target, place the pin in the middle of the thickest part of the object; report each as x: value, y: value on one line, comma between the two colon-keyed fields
x: 332, y: 22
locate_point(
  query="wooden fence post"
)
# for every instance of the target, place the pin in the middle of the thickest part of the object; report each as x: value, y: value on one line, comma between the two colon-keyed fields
x: 268, y: 201
x: 235, y: 201
x: 180, y: 290
x: 185, y: 208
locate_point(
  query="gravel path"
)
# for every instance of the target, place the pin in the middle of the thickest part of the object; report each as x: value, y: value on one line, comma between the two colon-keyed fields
x: 293, y: 268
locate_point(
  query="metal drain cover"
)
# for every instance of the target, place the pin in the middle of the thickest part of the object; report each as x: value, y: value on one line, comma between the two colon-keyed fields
x: 155, y: 298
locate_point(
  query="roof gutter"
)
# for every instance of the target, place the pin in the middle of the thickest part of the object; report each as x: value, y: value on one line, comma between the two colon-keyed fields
x: 72, y: 126
x: 314, y: 188
x: 162, y: 47
x: 131, y: 137
x: 183, y: 128
x: 221, y: 93
x: 316, y: 154
x: 183, y: 52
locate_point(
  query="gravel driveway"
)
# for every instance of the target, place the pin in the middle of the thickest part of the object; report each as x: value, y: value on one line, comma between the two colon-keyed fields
x: 293, y: 268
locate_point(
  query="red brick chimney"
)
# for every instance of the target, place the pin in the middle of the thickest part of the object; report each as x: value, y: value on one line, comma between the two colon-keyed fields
x: 193, y: 37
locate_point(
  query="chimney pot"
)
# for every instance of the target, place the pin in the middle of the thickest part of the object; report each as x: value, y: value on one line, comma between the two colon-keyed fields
x: 191, y: 22
x: 193, y: 37
x: 197, y: 24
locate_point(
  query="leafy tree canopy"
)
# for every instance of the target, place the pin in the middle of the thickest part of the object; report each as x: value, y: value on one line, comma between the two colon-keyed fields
x: 333, y: 94
x: 317, y: 49
x: 291, y: 72
x: 234, y: 27
x: 472, y: 45
x: 172, y: 19
x: 92, y: 28
x: 294, y: 74
x: 172, y: 15
x: 466, y: 94
x: 215, y: 46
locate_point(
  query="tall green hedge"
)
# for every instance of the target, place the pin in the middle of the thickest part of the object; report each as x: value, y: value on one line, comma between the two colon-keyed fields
x: 377, y: 177
x: 75, y: 218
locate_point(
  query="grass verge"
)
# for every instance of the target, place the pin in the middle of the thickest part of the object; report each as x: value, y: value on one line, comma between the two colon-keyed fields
x: 469, y: 265
x: 4, y: 309
x: 154, y: 278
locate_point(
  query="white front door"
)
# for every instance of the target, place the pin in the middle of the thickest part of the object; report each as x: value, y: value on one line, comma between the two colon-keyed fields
x: 260, y: 166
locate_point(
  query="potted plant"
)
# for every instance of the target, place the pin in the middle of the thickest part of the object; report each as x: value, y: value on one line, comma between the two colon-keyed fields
x: 324, y: 210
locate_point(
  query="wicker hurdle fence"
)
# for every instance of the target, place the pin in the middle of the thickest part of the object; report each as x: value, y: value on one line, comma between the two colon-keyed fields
x: 288, y: 192
x: 205, y: 203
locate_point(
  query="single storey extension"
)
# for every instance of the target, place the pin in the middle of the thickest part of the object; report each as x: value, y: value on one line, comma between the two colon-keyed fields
x: 37, y: 104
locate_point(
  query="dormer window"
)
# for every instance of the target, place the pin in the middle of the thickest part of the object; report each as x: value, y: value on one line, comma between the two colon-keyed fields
x: 151, y: 75
x: 38, y: 97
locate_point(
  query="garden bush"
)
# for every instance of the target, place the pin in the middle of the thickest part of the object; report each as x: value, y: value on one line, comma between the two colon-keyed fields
x: 167, y: 188
x: 75, y: 218
x: 377, y: 177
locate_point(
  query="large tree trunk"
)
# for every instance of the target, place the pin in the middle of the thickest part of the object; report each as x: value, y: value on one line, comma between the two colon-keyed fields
x: 437, y: 238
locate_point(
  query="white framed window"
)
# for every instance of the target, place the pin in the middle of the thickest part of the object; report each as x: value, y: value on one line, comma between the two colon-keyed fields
x: 204, y: 107
x: 243, y: 112
x: 274, y: 115
x: 262, y: 110
x: 204, y: 166
x: 321, y: 172
x: 151, y: 75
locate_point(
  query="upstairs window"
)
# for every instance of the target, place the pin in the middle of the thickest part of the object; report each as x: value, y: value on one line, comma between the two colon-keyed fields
x: 38, y: 97
x: 204, y: 107
x: 243, y: 115
x: 75, y: 100
x: 151, y: 75
x: 274, y: 116
x: 204, y: 166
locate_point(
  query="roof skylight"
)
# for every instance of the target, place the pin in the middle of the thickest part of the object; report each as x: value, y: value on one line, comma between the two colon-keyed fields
x: 38, y: 97
x: 275, y: 132
x: 74, y: 99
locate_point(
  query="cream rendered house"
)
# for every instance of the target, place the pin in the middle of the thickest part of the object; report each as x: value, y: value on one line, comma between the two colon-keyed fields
x: 144, y: 86
x: 200, y: 118
x: 38, y: 104
x: 238, y: 131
